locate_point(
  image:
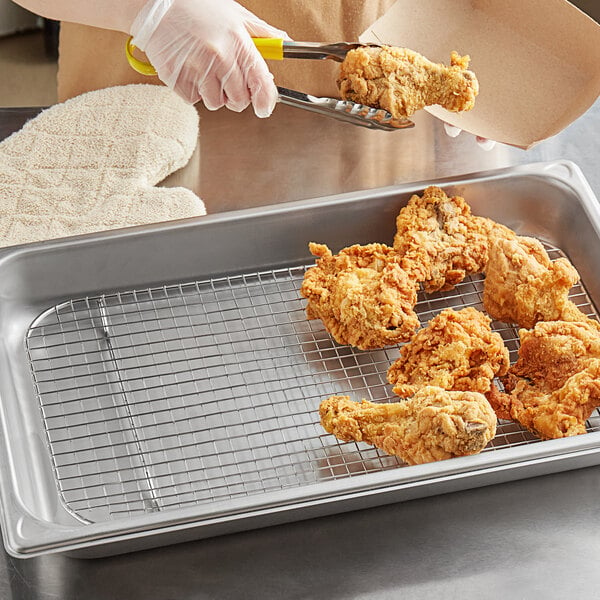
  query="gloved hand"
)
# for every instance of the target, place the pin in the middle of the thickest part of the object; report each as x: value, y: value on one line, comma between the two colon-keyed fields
x: 483, y: 143
x: 204, y: 51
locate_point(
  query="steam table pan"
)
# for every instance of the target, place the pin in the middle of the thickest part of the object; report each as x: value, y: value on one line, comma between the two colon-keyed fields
x: 161, y: 384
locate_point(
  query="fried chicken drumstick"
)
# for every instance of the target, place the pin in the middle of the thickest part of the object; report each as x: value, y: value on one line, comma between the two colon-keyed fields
x: 554, y: 386
x: 433, y: 425
x: 456, y: 351
x: 402, y: 81
x: 362, y: 294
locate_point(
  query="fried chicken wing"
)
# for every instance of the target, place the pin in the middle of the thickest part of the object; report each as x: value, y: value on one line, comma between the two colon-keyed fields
x: 440, y: 241
x: 432, y: 425
x: 456, y: 351
x: 522, y: 285
x: 362, y: 294
x: 554, y: 385
x: 402, y: 81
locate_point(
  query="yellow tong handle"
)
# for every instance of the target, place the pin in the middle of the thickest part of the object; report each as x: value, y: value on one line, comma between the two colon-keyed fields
x: 269, y: 48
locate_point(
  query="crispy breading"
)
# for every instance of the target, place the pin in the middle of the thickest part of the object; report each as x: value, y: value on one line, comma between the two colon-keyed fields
x: 434, y: 424
x: 553, y: 414
x: 362, y: 294
x: 522, y: 285
x: 440, y: 241
x: 493, y: 230
x: 402, y: 81
x: 554, y: 385
x: 457, y: 350
x: 554, y: 350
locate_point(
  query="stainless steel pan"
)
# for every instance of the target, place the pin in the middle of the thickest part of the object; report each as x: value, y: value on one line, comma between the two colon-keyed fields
x: 161, y: 383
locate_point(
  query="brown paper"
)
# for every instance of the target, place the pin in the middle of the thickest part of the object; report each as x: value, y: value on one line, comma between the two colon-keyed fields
x: 537, y: 61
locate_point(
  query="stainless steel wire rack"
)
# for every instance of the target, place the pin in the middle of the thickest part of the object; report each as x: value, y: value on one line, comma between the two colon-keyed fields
x: 193, y: 393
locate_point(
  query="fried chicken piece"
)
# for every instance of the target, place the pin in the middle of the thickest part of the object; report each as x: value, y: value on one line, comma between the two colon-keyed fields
x: 402, y: 81
x: 493, y: 230
x: 362, y: 295
x: 554, y: 414
x: 554, y: 385
x: 440, y: 241
x: 554, y: 350
x: 522, y: 285
x: 456, y: 351
x: 432, y: 425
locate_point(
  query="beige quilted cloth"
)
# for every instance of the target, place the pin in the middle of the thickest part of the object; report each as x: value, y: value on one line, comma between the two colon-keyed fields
x: 92, y: 163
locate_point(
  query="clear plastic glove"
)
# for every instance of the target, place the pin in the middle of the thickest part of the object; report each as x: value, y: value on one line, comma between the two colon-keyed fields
x: 483, y: 143
x: 203, y: 50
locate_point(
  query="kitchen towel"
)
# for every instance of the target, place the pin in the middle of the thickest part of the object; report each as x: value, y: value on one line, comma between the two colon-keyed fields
x: 92, y: 163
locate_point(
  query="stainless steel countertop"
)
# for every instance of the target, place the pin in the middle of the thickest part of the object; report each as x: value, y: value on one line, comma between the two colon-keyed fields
x: 526, y: 539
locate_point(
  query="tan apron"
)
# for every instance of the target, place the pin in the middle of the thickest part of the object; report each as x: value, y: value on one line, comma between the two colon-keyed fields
x: 91, y: 58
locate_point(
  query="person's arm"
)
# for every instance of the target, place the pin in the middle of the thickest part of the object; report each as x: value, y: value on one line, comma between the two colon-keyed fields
x: 106, y: 14
x: 202, y: 49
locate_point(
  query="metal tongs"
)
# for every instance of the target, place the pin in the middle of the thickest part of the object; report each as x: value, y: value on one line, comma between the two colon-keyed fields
x: 343, y: 110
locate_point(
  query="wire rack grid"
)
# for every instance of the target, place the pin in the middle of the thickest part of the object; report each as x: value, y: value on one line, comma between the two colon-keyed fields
x: 198, y: 392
